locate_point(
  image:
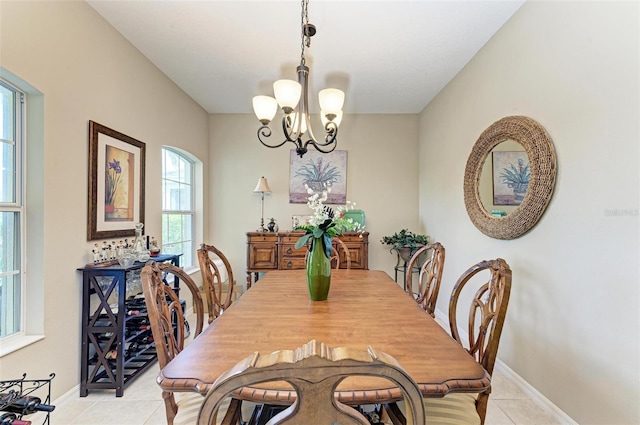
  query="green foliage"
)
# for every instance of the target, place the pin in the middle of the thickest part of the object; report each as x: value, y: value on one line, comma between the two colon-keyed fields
x: 517, y: 178
x: 318, y: 175
x: 405, y: 238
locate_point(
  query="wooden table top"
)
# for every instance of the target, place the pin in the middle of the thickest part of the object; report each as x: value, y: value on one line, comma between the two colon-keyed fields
x: 365, y: 307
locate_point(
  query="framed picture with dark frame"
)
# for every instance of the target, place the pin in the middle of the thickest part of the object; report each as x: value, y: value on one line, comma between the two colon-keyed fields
x: 116, y: 183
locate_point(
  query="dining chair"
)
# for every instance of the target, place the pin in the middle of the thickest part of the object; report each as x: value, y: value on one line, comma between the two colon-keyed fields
x: 166, y: 319
x: 314, y: 371
x: 218, y: 284
x: 429, y: 276
x: 335, y: 256
x: 485, y: 321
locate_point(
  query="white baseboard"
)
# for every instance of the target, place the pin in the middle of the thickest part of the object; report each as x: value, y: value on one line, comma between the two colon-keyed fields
x: 536, y: 396
x: 72, y: 394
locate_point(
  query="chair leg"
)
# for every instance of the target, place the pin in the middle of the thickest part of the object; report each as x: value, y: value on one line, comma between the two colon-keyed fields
x: 234, y: 413
x: 171, y: 408
x: 395, y: 414
x: 481, y: 406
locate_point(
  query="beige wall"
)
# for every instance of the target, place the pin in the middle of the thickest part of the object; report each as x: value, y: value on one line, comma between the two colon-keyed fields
x: 382, y: 180
x: 573, y: 321
x: 573, y: 324
x: 86, y: 71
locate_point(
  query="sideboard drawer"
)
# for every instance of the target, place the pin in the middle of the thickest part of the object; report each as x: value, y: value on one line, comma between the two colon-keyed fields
x: 289, y: 250
x: 292, y: 263
x: 290, y: 238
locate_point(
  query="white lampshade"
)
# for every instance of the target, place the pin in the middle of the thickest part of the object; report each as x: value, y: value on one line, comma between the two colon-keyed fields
x: 287, y: 93
x: 296, y: 116
x: 331, y: 100
x: 325, y: 120
x: 265, y: 108
x: 262, y: 186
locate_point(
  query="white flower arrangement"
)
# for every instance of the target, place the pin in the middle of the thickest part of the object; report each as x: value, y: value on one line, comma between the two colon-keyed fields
x: 326, y: 222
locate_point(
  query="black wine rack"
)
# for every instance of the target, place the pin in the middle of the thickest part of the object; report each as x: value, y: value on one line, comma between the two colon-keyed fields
x: 117, y: 346
x: 13, y: 389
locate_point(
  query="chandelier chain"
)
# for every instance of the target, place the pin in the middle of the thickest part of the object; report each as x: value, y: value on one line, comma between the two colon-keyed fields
x: 305, y: 39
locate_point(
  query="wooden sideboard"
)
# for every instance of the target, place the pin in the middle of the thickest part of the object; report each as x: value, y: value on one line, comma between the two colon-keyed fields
x: 276, y: 251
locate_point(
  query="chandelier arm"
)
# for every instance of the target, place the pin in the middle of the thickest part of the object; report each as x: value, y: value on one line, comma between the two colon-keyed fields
x: 319, y: 145
x: 266, y: 132
x: 286, y: 126
x: 329, y: 139
x: 331, y: 130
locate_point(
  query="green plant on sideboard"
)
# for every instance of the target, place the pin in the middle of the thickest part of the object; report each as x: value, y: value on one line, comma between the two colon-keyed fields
x: 405, y: 243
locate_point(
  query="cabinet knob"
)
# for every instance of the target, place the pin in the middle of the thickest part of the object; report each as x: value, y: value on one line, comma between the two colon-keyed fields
x: 289, y: 251
x: 289, y: 264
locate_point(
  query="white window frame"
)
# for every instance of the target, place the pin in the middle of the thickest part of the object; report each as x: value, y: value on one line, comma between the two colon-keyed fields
x: 186, y: 212
x: 17, y: 206
x: 31, y: 166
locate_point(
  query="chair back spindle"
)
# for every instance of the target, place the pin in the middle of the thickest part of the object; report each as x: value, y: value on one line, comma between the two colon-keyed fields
x: 429, y: 276
x: 217, y: 296
x: 167, y: 318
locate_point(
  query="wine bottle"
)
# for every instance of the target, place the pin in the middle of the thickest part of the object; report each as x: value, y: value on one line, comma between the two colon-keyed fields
x: 145, y: 339
x: 12, y: 419
x: 7, y: 418
x: 24, y: 405
x: 137, y: 321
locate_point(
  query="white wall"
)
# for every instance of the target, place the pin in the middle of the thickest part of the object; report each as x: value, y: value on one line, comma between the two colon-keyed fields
x: 382, y: 180
x: 86, y: 71
x: 573, y: 322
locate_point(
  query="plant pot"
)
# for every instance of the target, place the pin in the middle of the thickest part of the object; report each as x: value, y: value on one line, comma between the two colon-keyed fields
x: 406, y: 252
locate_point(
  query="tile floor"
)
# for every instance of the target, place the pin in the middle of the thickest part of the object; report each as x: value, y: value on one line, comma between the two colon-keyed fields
x: 142, y: 405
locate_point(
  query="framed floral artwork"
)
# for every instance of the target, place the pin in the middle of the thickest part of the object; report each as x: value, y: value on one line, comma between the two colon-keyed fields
x: 318, y: 171
x: 511, y: 176
x: 116, y: 183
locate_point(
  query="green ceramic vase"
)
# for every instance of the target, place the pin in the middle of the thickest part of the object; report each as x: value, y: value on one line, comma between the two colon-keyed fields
x: 318, y: 272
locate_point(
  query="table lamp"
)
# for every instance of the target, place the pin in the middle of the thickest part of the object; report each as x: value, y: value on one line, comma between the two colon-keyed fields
x: 262, y: 187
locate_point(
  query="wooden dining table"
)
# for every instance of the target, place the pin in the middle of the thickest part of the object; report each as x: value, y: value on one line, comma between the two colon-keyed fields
x: 364, y: 308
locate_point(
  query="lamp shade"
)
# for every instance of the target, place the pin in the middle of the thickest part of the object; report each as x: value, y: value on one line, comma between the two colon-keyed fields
x: 265, y: 108
x: 287, y: 93
x: 262, y: 186
x: 331, y: 100
x: 296, y: 117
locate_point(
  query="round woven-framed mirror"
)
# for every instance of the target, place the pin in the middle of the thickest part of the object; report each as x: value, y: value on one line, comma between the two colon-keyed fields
x: 541, y: 180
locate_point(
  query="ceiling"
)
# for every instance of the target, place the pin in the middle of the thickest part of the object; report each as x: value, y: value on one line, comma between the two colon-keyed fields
x: 388, y: 56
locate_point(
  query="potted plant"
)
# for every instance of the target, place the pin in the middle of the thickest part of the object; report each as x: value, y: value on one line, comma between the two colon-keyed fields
x: 405, y: 243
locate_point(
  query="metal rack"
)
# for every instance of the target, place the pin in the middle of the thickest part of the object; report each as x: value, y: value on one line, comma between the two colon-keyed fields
x: 16, y: 388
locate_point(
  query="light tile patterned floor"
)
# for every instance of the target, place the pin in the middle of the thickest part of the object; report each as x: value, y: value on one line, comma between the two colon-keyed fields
x: 142, y: 405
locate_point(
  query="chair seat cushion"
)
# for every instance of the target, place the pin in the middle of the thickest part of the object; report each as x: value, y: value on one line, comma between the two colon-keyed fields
x: 189, y: 406
x: 452, y: 409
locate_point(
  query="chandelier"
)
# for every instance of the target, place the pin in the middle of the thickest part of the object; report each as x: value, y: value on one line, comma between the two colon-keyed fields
x: 290, y: 95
